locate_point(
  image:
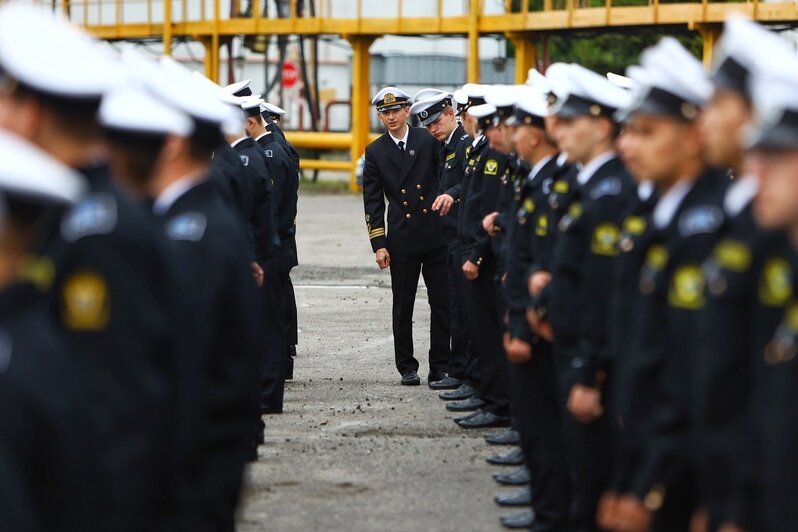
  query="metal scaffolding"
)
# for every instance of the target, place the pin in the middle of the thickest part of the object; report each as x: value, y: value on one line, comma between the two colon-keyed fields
x: 204, y: 22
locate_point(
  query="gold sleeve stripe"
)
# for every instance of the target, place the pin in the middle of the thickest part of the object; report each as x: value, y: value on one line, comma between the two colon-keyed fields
x: 377, y: 233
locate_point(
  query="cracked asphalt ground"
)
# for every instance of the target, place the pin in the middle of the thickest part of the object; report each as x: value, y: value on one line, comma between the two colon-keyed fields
x: 354, y: 450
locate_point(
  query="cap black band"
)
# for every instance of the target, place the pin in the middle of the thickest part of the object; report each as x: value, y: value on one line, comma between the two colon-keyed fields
x: 732, y: 76
x: 575, y: 106
x: 659, y: 102
x: 781, y: 135
x: 246, y: 91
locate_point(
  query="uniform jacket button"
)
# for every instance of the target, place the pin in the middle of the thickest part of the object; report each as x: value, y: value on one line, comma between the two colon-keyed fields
x: 404, y: 191
x: 404, y: 203
x: 421, y: 198
x: 408, y: 216
x: 418, y: 187
x: 424, y: 211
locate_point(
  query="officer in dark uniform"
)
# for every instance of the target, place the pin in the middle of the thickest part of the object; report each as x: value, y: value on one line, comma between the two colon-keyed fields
x: 402, y: 167
x: 747, y: 285
x: 437, y: 115
x: 213, y: 256
x: 285, y: 179
x: 462, y: 99
x: 46, y: 446
x: 536, y: 408
x: 273, y: 116
x: 581, y: 275
x: 654, y: 373
x: 112, y: 275
x: 492, y: 406
x: 774, y: 150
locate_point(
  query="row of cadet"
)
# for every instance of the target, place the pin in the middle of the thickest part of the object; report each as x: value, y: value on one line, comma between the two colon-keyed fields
x: 623, y: 297
x: 147, y: 317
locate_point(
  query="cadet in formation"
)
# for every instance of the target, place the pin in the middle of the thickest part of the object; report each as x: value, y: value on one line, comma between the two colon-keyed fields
x: 140, y: 238
x: 626, y: 260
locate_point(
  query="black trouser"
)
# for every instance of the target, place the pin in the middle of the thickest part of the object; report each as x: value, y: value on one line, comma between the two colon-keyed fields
x: 536, y: 413
x: 405, y: 271
x: 291, y: 325
x: 486, y: 339
x: 589, y: 448
x: 272, y: 296
x: 461, y: 364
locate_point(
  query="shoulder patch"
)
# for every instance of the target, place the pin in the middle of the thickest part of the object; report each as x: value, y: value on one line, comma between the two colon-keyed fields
x: 605, y: 240
x: 732, y: 255
x: 244, y: 159
x: 656, y: 257
x: 547, y: 185
x: 491, y: 167
x: 468, y: 151
x: 451, y: 156
x: 529, y: 205
x: 85, y: 302
x: 610, y: 186
x: 701, y: 219
x: 188, y: 226
x: 94, y: 215
x: 775, y: 285
x: 687, y: 288
x: 269, y: 153
x: 465, y: 136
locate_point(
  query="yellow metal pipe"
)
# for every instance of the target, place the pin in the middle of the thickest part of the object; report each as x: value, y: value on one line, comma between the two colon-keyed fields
x: 524, y: 56
x: 473, y: 41
x: 361, y: 63
x: 312, y: 140
x: 318, y: 164
x: 167, y: 27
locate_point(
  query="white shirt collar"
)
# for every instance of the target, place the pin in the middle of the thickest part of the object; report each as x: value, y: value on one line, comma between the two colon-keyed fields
x: 587, y: 171
x: 450, y: 136
x: 645, y: 190
x: 476, y: 141
x: 669, y: 203
x: 403, y: 139
x: 562, y: 158
x: 539, y: 165
x: 172, y: 193
x: 262, y: 135
x: 740, y: 194
x: 237, y: 142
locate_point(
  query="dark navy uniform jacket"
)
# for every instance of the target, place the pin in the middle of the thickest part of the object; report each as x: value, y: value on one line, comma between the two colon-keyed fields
x: 258, y: 206
x: 409, y: 181
x: 46, y: 445
x: 285, y: 180
x: 453, y: 160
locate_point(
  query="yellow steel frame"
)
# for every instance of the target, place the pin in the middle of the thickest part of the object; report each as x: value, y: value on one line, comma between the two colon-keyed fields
x: 703, y: 16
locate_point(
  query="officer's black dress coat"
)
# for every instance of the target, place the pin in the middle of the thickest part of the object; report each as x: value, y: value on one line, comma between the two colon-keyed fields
x: 258, y: 207
x: 413, y: 234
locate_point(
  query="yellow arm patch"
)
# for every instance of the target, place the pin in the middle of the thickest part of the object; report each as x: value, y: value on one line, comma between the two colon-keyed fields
x: 85, y: 302
x: 451, y: 156
x: 605, y: 240
x: 775, y: 285
x: 634, y: 225
x: 732, y: 255
x: 542, y: 227
x: 687, y: 288
x: 491, y: 167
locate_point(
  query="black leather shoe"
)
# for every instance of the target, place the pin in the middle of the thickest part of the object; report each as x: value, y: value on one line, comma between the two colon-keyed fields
x: 267, y: 409
x: 517, y: 477
x: 436, y: 376
x: 507, y: 437
x: 449, y: 383
x: 485, y: 420
x: 289, y: 369
x: 410, y: 379
x: 520, y: 521
x: 522, y: 497
x: 514, y: 457
x: 469, y: 416
x: 467, y: 405
x: 463, y: 392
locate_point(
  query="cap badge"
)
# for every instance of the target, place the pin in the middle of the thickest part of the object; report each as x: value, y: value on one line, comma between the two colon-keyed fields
x: 389, y: 98
x: 689, y: 111
x: 595, y: 110
x: 424, y: 113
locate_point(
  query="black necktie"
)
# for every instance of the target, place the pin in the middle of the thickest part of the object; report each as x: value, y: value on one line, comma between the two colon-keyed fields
x: 401, y: 145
